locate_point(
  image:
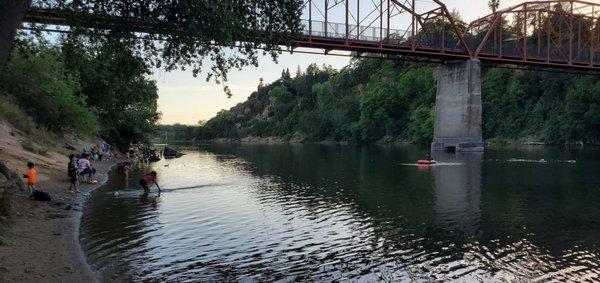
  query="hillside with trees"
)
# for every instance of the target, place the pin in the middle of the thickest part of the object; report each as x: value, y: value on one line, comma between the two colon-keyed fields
x: 386, y: 100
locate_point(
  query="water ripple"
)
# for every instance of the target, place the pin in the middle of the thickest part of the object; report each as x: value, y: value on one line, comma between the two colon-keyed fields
x: 246, y: 222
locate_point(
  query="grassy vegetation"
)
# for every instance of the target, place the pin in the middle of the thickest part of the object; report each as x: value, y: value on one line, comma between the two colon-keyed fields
x: 37, y: 139
x: 15, y: 115
x: 31, y: 146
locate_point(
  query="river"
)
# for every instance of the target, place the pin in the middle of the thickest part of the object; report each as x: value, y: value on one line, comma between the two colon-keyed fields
x: 324, y: 213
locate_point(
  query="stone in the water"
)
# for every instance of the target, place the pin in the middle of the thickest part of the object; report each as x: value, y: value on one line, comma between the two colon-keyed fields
x: 169, y: 152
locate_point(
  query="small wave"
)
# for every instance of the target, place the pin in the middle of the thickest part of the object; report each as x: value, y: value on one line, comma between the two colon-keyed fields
x: 129, y: 193
x: 192, y: 187
x: 539, y: 161
x: 432, y: 165
x: 137, y: 193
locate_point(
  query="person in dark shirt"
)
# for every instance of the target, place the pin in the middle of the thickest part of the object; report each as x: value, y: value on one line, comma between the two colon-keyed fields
x: 72, y: 173
x: 428, y: 158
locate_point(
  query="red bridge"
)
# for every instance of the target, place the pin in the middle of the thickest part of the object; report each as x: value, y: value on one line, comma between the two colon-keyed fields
x: 556, y: 34
x: 564, y: 34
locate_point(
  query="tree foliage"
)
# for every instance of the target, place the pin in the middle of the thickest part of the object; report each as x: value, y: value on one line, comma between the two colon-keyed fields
x: 115, y: 83
x: 42, y: 85
x: 364, y: 102
x: 556, y: 108
x: 385, y: 100
x: 84, y: 89
x: 210, y: 36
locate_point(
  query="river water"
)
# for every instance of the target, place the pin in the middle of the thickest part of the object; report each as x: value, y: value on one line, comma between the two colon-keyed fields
x: 367, y: 214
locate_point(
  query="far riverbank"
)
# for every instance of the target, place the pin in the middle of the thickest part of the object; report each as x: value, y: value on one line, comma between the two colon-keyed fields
x: 279, y: 140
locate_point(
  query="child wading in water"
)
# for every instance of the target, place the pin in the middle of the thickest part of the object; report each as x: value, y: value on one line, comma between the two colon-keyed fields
x: 31, y: 177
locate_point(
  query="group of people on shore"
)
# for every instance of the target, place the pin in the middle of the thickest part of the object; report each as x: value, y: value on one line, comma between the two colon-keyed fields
x: 80, y: 169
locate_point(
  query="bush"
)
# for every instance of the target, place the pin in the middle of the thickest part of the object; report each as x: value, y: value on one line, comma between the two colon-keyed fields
x: 31, y: 146
x: 44, y: 89
x: 15, y: 115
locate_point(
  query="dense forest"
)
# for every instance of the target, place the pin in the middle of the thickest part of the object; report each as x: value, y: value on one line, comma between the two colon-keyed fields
x: 78, y: 87
x: 385, y: 100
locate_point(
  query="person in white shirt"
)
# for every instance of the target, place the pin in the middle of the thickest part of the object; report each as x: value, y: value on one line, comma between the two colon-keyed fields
x: 86, y: 169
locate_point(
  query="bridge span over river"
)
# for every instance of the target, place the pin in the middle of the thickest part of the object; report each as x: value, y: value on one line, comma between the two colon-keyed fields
x: 560, y: 34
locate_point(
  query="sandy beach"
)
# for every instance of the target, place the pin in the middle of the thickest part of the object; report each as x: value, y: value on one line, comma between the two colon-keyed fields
x: 41, y: 239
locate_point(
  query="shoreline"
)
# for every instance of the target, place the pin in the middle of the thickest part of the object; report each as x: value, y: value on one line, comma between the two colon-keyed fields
x: 491, y: 143
x: 42, y: 238
x: 81, y: 200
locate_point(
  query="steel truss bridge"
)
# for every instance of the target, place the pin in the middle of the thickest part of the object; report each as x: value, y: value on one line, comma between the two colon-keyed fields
x: 548, y: 34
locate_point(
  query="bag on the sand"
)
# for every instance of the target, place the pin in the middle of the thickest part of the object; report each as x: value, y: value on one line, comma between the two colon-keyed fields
x: 40, y: 196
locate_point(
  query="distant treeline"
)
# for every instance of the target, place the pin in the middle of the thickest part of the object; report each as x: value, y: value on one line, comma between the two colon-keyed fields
x: 381, y: 100
x: 79, y: 87
x: 175, y: 133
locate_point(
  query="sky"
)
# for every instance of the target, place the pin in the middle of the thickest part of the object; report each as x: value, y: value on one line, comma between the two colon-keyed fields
x: 184, y: 99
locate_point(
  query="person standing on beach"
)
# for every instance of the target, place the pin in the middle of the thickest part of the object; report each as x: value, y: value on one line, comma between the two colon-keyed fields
x: 31, y: 177
x: 72, y: 173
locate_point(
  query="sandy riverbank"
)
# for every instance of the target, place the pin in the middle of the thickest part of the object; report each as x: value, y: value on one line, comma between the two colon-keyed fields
x: 41, y: 239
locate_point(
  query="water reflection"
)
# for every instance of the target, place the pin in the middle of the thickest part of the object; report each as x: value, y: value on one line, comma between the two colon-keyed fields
x: 458, y: 191
x: 119, y: 227
x: 323, y: 213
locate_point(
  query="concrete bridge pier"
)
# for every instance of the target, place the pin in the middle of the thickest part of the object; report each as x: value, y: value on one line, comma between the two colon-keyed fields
x: 458, y: 107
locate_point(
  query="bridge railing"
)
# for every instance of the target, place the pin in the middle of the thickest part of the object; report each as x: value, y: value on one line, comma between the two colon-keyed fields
x: 546, y: 33
x: 354, y: 34
x: 351, y: 32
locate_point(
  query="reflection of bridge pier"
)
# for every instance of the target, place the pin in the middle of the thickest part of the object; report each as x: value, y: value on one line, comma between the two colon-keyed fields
x: 458, y: 107
x: 457, y: 191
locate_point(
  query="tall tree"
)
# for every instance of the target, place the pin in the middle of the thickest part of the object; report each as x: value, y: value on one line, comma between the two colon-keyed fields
x: 494, y: 5
x: 115, y: 82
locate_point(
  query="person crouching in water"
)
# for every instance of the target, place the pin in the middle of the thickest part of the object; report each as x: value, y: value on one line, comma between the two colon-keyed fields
x: 147, y: 180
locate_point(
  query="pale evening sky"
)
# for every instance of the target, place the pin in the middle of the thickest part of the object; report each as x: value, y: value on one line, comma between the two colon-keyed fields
x: 186, y: 100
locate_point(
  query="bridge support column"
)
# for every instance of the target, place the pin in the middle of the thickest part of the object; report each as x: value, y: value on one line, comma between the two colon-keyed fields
x: 458, y: 107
